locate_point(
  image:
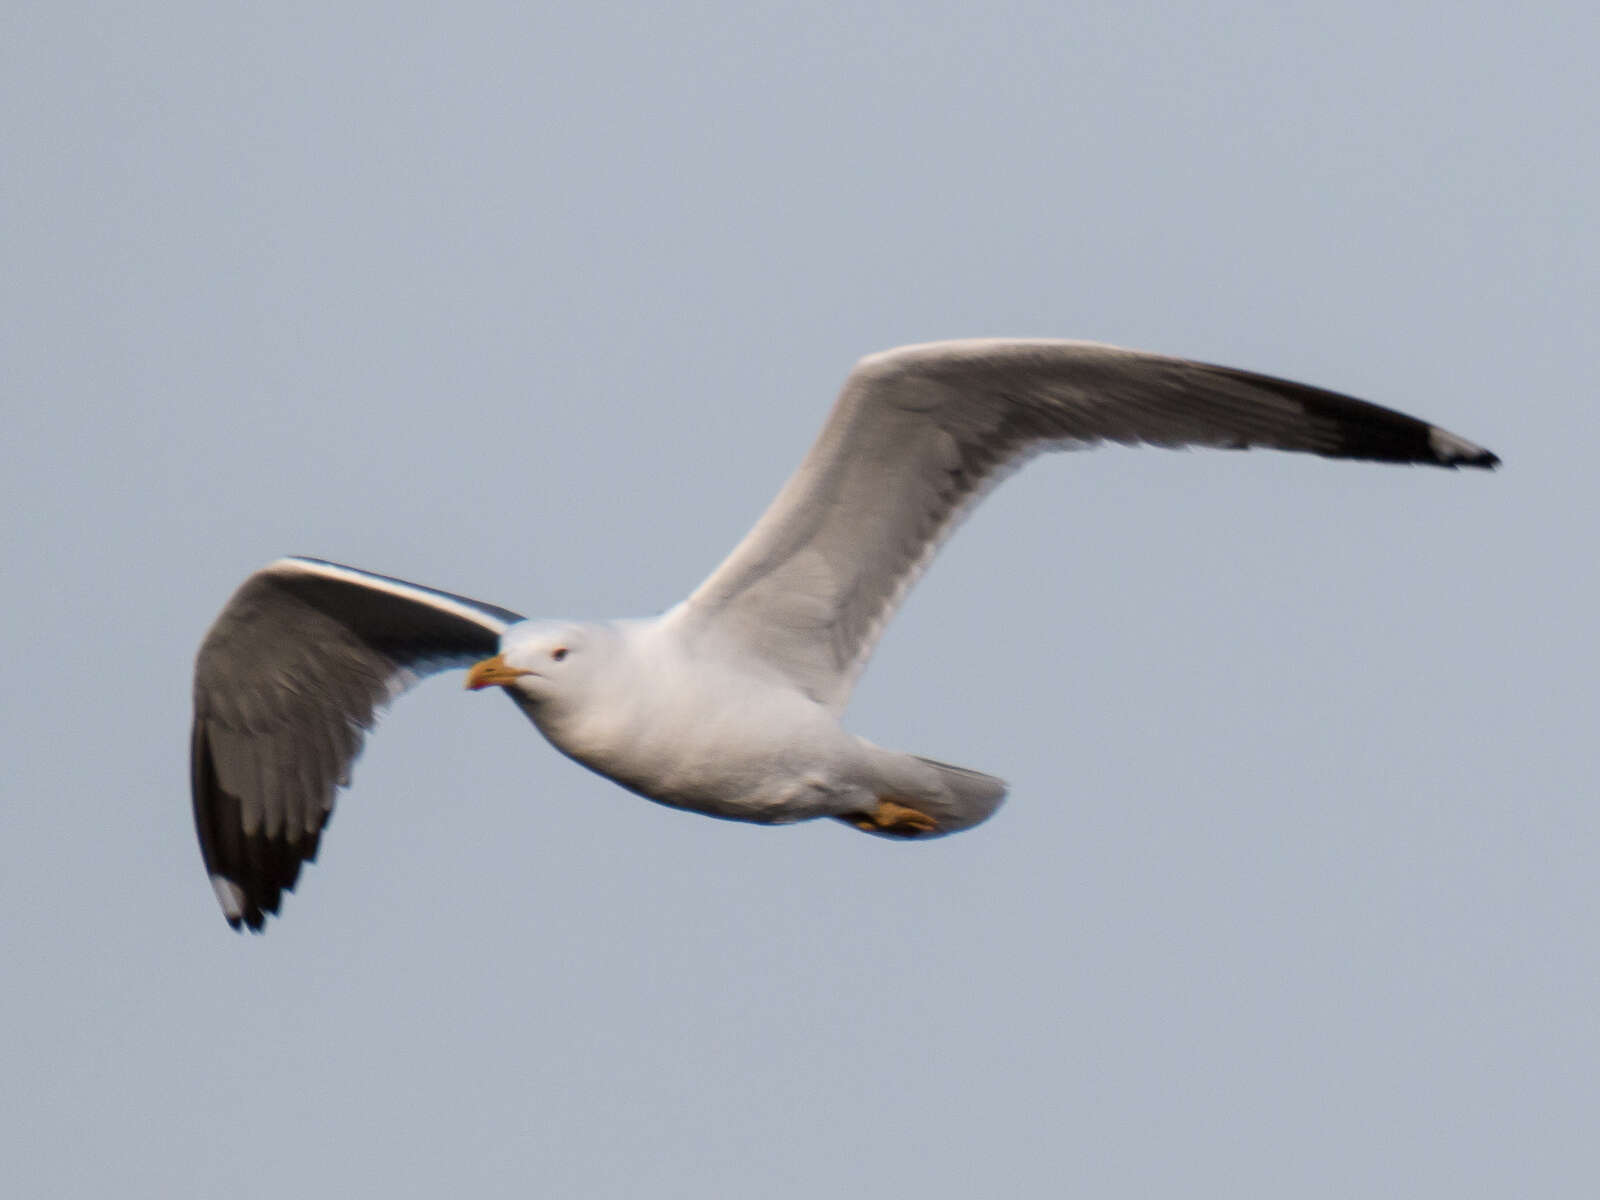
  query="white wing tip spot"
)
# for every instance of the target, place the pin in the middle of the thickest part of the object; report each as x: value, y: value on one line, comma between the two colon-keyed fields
x: 230, y: 895
x: 1448, y: 448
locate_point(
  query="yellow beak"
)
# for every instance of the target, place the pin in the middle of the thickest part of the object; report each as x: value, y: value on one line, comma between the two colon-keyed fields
x: 493, y: 672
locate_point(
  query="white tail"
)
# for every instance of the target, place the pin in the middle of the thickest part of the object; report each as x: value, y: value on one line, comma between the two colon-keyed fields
x: 971, y: 796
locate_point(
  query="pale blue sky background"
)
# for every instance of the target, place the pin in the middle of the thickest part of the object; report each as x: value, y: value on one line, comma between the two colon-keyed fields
x: 1296, y: 893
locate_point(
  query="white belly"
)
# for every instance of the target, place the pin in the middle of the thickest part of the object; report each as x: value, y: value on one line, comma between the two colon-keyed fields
x: 723, y: 745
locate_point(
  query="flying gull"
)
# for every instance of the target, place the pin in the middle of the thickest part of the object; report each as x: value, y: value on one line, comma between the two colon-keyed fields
x: 729, y: 703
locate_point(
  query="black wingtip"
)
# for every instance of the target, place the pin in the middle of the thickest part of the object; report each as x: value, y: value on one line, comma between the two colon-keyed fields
x: 253, y: 919
x: 1351, y: 428
x: 1478, y: 459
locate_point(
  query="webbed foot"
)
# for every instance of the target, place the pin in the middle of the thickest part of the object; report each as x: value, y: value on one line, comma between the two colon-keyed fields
x: 891, y: 817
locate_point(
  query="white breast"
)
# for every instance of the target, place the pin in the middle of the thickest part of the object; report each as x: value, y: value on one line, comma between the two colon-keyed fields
x: 694, y: 731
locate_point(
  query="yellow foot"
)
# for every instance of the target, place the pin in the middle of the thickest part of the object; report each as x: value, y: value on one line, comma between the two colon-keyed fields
x: 890, y: 816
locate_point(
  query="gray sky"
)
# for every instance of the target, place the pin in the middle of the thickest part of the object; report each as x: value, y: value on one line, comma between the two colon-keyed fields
x: 1296, y: 891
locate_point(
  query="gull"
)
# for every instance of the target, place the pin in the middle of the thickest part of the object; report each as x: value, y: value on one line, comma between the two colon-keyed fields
x: 728, y: 704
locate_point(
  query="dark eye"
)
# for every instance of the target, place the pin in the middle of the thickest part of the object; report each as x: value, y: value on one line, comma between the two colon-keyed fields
x: 558, y: 653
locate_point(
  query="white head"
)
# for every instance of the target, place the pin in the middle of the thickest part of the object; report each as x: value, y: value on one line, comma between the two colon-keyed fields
x: 541, y: 661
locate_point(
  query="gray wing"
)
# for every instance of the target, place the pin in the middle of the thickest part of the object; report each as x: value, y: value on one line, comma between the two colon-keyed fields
x: 919, y: 434
x: 296, y: 667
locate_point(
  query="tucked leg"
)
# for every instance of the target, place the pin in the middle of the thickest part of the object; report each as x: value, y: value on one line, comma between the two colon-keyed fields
x: 892, y: 817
